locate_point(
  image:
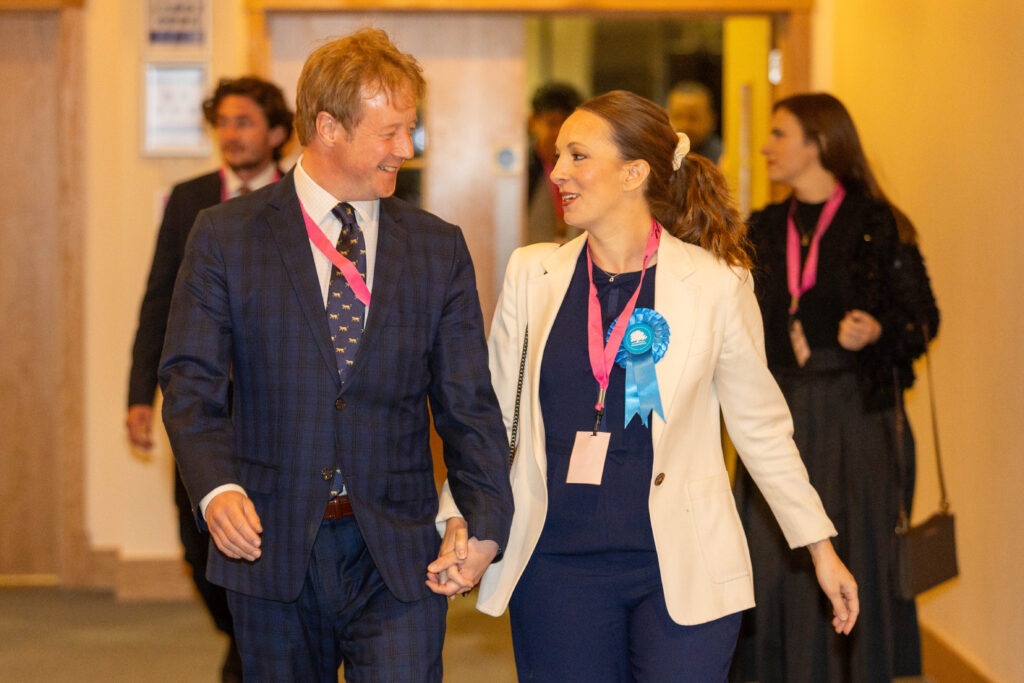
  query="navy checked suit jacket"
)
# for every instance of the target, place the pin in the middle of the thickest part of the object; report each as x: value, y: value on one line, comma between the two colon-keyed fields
x: 248, y: 308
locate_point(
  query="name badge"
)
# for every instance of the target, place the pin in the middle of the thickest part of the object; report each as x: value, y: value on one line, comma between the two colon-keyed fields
x: 801, y: 350
x: 586, y: 463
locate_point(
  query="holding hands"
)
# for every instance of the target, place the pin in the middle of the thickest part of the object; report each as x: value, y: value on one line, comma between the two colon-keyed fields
x: 461, y: 560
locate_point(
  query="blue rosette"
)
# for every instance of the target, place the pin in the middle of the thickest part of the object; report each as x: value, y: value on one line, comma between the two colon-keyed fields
x: 644, y: 344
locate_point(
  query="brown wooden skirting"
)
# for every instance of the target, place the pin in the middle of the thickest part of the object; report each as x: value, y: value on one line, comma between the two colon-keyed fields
x: 154, y: 580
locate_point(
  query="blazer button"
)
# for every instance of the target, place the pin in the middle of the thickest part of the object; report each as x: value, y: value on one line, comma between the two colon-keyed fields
x: 339, y: 404
x: 658, y: 479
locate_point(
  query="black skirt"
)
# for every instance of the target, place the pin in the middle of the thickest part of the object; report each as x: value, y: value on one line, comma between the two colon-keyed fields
x: 850, y: 460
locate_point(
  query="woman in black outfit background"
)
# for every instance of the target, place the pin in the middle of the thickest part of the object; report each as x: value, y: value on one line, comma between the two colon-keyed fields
x: 845, y: 302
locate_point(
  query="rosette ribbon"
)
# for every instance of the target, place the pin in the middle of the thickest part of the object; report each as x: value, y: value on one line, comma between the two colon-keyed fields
x: 644, y: 344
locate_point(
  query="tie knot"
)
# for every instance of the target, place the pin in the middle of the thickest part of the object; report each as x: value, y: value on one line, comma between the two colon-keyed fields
x: 347, y: 215
x: 244, y: 189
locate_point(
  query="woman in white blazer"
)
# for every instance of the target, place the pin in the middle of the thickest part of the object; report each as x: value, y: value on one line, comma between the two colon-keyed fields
x: 627, y: 559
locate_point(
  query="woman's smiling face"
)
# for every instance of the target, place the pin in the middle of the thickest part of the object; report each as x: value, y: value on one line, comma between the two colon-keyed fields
x: 588, y: 170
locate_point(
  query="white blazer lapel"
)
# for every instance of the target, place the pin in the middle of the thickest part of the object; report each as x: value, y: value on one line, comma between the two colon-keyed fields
x: 545, y: 293
x: 677, y: 302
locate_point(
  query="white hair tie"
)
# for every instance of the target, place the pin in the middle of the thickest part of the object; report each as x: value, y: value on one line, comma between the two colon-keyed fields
x: 682, y: 147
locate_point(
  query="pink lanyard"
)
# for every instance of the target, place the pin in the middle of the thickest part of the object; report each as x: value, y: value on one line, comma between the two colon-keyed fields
x: 799, y: 282
x: 602, y: 356
x: 224, y: 182
x: 352, y: 276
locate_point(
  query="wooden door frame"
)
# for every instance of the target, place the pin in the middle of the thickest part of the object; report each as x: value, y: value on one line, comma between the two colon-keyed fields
x: 791, y: 21
x: 40, y: 4
x: 77, y: 565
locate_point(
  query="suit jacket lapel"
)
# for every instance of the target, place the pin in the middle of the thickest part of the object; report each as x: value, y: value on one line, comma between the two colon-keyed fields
x: 212, y: 190
x: 284, y: 215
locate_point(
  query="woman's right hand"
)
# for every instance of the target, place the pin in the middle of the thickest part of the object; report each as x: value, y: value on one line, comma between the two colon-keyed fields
x: 858, y: 329
x: 838, y: 584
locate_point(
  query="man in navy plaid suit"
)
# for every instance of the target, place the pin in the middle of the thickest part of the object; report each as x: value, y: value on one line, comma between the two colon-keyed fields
x: 314, y: 476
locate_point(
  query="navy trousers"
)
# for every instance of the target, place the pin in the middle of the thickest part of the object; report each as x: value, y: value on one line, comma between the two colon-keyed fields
x: 602, y: 619
x: 345, y: 615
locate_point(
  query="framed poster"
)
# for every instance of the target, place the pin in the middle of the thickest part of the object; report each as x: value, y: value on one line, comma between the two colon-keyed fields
x: 175, y: 25
x: 172, y: 109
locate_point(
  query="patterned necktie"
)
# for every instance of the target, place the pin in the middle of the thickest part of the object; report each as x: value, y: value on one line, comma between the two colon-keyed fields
x: 344, y: 310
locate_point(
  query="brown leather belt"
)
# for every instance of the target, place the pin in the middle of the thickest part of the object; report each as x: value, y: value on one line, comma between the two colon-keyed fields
x: 338, y: 508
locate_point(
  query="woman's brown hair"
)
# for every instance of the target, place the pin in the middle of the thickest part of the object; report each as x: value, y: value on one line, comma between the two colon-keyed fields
x: 691, y: 202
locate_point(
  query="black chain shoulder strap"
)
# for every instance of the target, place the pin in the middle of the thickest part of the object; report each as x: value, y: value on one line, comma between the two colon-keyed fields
x: 513, y: 440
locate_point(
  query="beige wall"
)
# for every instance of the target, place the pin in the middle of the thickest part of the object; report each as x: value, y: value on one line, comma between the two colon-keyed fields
x: 128, y: 499
x: 933, y: 87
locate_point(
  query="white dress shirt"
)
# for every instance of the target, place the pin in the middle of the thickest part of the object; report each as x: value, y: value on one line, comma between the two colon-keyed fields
x: 233, y: 184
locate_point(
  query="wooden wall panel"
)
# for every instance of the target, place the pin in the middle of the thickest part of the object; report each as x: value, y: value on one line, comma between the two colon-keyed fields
x: 30, y: 296
x: 42, y: 537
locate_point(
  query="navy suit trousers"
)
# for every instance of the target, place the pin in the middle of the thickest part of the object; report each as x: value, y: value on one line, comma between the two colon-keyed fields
x: 345, y: 615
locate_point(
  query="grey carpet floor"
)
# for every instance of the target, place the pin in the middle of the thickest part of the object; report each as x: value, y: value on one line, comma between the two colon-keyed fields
x: 50, y: 634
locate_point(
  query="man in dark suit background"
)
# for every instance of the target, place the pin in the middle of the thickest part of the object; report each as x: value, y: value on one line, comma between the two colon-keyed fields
x: 304, y: 445
x: 252, y: 124
x: 691, y: 110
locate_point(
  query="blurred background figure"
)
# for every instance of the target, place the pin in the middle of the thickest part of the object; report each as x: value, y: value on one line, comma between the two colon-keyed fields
x: 251, y: 124
x: 846, y: 303
x: 691, y: 109
x: 549, y: 108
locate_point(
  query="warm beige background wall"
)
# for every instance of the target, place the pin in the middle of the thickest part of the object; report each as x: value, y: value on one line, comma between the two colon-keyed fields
x: 129, y: 500
x: 933, y: 88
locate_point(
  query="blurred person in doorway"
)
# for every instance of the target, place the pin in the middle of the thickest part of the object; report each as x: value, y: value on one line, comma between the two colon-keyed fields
x: 691, y: 109
x: 549, y: 108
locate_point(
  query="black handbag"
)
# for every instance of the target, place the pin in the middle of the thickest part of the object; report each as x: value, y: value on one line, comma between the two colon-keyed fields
x: 926, y: 552
x: 925, y: 555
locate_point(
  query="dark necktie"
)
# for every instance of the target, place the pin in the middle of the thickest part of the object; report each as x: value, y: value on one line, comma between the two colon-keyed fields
x: 243, y: 190
x: 344, y: 310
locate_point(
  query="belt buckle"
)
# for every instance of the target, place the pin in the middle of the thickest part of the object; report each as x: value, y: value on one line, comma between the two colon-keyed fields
x: 338, y: 507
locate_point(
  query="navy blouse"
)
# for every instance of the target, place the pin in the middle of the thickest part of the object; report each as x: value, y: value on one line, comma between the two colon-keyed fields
x: 614, y: 516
